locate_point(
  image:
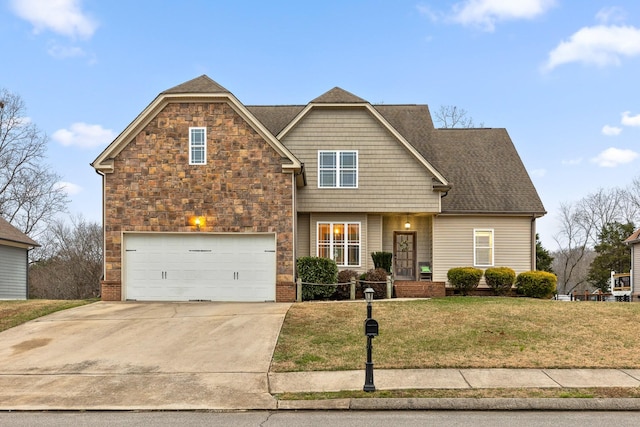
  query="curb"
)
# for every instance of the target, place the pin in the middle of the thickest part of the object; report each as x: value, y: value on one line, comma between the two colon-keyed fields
x: 465, y: 404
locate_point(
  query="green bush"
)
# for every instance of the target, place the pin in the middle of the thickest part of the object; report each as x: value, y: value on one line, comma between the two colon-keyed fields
x: 536, y: 284
x: 500, y: 279
x: 344, y: 291
x: 464, y: 279
x: 382, y: 260
x: 376, y: 275
x: 317, y: 270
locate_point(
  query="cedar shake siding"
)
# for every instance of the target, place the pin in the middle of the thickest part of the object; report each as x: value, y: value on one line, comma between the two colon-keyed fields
x: 241, y: 188
x: 390, y: 179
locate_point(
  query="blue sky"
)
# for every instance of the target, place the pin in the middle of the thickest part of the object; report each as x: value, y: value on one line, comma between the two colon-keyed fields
x: 562, y: 76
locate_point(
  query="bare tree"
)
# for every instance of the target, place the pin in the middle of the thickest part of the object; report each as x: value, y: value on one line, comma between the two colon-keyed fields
x: 573, y: 242
x: 451, y: 116
x: 581, y: 224
x: 29, y: 191
x: 73, y: 267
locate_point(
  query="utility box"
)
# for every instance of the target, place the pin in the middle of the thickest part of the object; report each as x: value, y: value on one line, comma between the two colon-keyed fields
x: 371, y: 328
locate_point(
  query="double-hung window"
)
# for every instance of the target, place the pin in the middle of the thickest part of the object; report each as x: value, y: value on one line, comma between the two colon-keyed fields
x: 337, y: 169
x: 340, y: 241
x: 483, y: 247
x: 197, y: 146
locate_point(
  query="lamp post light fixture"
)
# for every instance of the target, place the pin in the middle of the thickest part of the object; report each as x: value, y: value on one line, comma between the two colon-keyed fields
x: 370, y: 330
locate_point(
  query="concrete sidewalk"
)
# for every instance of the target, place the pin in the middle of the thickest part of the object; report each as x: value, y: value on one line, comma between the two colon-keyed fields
x: 399, y: 379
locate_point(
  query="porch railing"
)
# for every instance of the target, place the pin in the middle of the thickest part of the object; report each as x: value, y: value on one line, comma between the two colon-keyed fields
x: 352, y: 286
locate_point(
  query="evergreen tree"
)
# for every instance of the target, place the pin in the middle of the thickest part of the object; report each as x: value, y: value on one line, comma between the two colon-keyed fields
x: 612, y: 254
x: 543, y: 257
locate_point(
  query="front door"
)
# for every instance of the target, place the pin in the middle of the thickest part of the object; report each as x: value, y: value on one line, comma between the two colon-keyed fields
x: 404, y: 255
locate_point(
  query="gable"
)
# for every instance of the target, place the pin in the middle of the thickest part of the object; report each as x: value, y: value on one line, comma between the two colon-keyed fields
x: 199, y: 90
x: 382, y: 122
x: 389, y: 176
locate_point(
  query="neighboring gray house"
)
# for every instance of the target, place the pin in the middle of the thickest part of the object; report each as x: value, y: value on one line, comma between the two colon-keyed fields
x: 14, y: 262
x: 205, y: 198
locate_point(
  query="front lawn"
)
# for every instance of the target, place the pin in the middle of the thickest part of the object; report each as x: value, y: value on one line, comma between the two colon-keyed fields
x: 461, y: 332
x: 14, y: 313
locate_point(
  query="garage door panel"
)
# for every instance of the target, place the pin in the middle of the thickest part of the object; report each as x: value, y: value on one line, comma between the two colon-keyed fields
x: 182, y: 267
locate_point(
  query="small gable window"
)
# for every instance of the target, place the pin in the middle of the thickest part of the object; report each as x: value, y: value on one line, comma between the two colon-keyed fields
x: 337, y: 169
x: 483, y: 248
x: 197, y: 146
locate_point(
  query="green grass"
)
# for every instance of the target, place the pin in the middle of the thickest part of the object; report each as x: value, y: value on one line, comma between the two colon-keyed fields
x: 544, y: 393
x: 461, y: 332
x: 14, y: 313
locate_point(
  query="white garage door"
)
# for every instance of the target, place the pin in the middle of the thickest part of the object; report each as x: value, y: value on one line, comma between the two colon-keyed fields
x: 209, y: 267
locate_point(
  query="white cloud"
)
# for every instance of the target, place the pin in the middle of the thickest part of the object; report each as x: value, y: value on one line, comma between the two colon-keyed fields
x: 68, y: 187
x: 572, y: 162
x: 428, y: 12
x: 629, y: 120
x: 539, y: 172
x: 611, y: 130
x: 84, y: 135
x: 600, y: 45
x: 64, y: 17
x: 62, y: 52
x: 611, y: 14
x: 612, y: 157
x: 486, y: 13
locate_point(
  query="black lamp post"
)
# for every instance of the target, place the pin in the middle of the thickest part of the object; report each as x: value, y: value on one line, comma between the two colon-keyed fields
x: 370, y: 330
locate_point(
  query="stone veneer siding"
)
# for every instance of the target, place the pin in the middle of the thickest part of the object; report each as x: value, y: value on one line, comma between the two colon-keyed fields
x: 241, y: 188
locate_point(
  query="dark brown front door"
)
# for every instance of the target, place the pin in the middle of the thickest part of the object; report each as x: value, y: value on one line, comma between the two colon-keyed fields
x: 404, y: 255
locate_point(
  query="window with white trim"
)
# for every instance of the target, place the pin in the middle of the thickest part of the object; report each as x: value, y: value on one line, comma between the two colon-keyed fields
x: 337, y: 169
x: 483, y: 247
x: 340, y: 241
x: 197, y: 146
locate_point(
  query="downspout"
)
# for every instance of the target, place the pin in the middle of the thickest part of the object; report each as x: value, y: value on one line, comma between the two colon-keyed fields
x: 533, y: 243
x: 104, y: 237
x: 26, y: 296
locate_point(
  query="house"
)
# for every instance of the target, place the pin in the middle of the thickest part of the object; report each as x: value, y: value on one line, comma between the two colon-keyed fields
x: 634, y: 242
x: 206, y: 198
x: 14, y: 262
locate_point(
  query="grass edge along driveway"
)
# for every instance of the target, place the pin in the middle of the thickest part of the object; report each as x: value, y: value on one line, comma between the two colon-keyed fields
x: 14, y: 313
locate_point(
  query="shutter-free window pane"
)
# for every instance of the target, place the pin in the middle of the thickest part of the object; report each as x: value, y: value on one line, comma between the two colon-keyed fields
x: 340, y: 242
x: 327, y: 169
x: 483, y: 248
x: 338, y: 169
x: 197, y: 146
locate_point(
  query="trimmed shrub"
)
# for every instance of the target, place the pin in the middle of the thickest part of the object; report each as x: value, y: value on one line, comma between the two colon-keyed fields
x: 536, y: 284
x: 376, y: 275
x: 317, y: 270
x: 344, y: 291
x: 500, y: 279
x: 464, y: 279
x: 382, y: 260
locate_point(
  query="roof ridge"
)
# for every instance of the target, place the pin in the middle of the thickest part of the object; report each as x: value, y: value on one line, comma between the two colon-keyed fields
x: 337, y: 95
x: 201, y: 84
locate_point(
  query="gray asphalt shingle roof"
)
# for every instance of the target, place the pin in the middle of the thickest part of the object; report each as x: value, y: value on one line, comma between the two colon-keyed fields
x: 9, y: 233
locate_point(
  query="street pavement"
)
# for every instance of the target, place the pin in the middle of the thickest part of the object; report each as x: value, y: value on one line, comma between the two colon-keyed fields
x: 216, y: 356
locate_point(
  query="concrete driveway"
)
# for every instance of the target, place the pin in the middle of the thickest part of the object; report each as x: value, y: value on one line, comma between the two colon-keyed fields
x: 133, y: 355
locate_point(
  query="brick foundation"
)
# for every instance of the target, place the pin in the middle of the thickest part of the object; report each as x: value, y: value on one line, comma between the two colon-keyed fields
x: 285, y: 292
x: 407, y: 289
x: 111, y: 290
